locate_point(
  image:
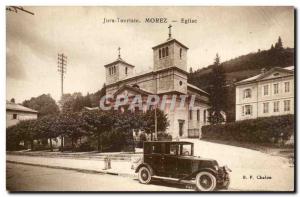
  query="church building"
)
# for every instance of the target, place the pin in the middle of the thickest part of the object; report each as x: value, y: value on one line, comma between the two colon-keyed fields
x: 168, y: 77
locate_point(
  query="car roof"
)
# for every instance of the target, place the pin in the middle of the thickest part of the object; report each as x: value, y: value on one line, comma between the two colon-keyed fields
x: 169, y: 142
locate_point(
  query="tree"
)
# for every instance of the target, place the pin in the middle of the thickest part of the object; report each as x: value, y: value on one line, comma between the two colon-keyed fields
x: 70, y: 125
x: 74, y: 102
x: 279, y: 44
x: 95, y: 98
x: 47, y: 128
x: 44, y: 104
x: 27, y: 131
x: 68, y: 104
x: 76, y: 127
x: 149, y: 121
x: 217, y: 92
x: 12, y: 138
x: 98, y: 122
x: 87, y: 101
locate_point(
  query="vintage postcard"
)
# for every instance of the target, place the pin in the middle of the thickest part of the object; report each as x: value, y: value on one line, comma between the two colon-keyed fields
x: 156, y: 99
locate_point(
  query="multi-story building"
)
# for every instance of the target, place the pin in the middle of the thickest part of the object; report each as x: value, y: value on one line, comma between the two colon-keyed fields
x: 168, y: 77
x: 271, y: 93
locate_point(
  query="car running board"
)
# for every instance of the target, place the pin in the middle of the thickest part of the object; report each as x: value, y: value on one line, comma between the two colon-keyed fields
x: 174, y: 179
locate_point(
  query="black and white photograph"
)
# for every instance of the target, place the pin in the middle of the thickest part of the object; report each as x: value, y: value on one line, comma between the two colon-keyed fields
x: 150, y: 99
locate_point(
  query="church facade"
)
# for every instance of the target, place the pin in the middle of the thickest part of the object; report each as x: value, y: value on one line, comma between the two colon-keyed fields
x: 167, y: 78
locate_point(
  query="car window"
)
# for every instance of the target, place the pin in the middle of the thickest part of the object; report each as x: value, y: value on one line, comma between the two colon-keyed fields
x: 173, y: 150
x: 156, y: 148
x: 186, y: 150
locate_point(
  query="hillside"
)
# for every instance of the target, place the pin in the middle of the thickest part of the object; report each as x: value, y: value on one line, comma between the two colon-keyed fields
x: 245, y: 66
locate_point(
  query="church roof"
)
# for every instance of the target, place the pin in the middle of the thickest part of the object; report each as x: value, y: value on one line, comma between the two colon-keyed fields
x: 147, y: 74
x: 119, y: 60
x: 138, y: 90
x: 169, y: 41
x: 289, y: 69
x: 196, y: 88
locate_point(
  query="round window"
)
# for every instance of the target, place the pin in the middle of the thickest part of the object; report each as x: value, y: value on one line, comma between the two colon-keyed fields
x: 180, y: 82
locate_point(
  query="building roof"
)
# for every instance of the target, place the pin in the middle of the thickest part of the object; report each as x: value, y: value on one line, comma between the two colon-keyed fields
x: 196, y: 88
x: 18, y: 107
x: 138, y: 90
x: 146, y: 74
x: 119, y: 60
x: 169, y: 41
x: 260, y: 76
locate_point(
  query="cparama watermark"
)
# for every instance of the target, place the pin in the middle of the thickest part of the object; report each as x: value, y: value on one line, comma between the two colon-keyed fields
x: 140, y: 102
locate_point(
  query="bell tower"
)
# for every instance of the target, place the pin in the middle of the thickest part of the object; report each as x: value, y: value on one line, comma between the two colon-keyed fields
x: 118, y: 70
x: 170, y: 53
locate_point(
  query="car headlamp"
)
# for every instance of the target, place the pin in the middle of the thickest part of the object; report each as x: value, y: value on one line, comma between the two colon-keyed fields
x: 227, y: 169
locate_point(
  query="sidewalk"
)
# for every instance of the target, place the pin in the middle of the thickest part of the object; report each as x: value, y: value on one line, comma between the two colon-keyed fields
x: 119, y: 167
x: 79, y: 155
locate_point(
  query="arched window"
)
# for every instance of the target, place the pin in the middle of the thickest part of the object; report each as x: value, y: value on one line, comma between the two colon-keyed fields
x: 180, y: 53
x: 126, y: 70
x: 167, y: 51
x: 163, y: 52
x: 159, y: 53
x: 115, y: 69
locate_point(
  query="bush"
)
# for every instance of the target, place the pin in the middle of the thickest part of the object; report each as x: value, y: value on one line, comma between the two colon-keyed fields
x: 260, y: 130
x: 140, y: 142
x: 117, y: 141
x: 84, y: 147
x: 162, y: 136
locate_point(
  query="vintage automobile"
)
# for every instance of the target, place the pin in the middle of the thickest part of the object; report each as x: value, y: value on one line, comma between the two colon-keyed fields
x: 175, y: 161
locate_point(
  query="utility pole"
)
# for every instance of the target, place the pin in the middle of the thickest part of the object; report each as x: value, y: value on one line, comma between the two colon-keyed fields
x: 62, y: 69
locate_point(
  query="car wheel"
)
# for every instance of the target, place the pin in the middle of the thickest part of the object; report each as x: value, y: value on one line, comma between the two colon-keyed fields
x: 144, y: 175
x: 206, y: 181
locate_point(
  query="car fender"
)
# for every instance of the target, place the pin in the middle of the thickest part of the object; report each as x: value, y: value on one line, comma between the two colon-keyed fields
x: 146, y: 165
x: 213, y: 171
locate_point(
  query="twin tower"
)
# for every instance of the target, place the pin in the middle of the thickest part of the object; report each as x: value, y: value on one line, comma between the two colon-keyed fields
x: 168, y: 54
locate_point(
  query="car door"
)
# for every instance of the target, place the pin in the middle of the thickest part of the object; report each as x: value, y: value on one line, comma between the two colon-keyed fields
x: 154, y: 158
x: 184, y: 162
x: 170, y: 160
x: 184, y: 167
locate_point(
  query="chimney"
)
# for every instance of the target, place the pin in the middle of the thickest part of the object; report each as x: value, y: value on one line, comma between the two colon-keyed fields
x: 263, y: 70
x: 12, y: 100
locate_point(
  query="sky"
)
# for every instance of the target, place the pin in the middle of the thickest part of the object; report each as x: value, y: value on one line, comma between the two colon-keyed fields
x: 33, y: 41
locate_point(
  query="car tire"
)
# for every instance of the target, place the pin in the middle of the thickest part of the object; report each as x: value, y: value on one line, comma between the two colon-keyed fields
x: 206, y: 181
x: 144, y: 175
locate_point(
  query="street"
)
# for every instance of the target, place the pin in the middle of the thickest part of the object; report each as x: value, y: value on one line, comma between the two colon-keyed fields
x: 32, y: 178
x: 251, y: 171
